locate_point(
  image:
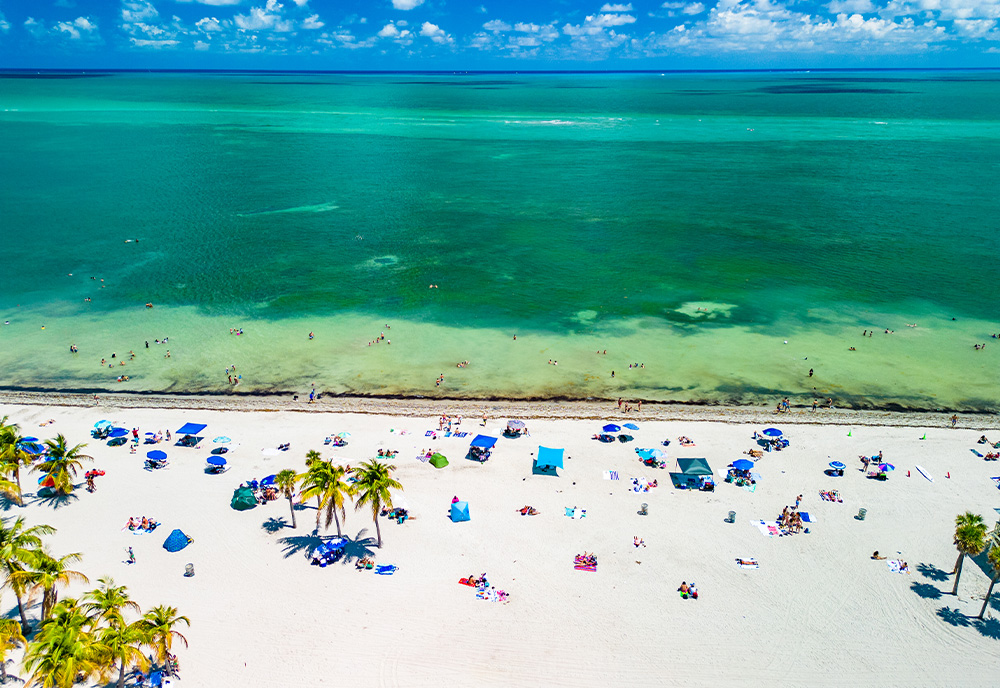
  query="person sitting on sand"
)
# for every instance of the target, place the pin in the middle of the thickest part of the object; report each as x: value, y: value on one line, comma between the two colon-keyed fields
x: 877, y: 557
x: 746, y: 562
x: 904, y: 568
x: 684, y: 590
x: 131, y: 523
x: 145, y: 523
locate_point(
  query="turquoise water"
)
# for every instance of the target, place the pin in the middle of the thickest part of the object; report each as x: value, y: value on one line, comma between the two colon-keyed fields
x: 692, y: 223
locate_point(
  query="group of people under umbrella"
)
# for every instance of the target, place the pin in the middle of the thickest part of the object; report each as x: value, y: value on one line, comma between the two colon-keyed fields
x: 612, y: 432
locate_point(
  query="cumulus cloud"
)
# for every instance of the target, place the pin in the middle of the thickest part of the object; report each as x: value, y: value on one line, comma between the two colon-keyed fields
x: 140, y: 11
x: 617, y: 8
x: 312, y: 22
x: 851, y: 7
x: 213, y: 2
x: 595, y: 24
x: 4, y: 24
x: 267, y: 18
x: 210, y: 25
x: 434, y: 32
x: 496, y: 25
x: 34, y: 27
x: 79, y: 28
x: 406, y: 4
x: 395, y: 32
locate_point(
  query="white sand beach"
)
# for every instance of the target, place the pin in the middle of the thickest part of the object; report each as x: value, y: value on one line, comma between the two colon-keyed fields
x: 818, y: 611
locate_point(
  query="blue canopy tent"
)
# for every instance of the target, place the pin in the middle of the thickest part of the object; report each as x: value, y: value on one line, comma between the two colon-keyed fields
x: 176, y: 541
x: 191, y: 429
x: 460, y: 512
x: 549, y: 460
x: 693, y: 474
x: 483, y: 442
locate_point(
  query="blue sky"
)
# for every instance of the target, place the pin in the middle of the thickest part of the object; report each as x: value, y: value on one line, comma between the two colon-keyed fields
x: 513, y: 34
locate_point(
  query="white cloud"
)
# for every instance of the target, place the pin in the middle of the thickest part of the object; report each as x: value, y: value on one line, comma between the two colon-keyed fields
x: 201, y: 45
x: 693, y: 8
x: 267, y: 18
x: 406, y: 4
x: 482, y: 9
x: 81, y: 27
x: 850, y: 7
x: 975, y: 28
x: 496, y: 25
x: 312, y: 22
x: 4, y: 24
x: 138, y: 11
x: 391, y: 30
x: 148, y: 43
x: 213, y: 2
x: 434, y: 32
x: 300, y: 3
x: 595, y: 24
x: 617, y: 8
x: 34, y: 27
x: 209, y: 25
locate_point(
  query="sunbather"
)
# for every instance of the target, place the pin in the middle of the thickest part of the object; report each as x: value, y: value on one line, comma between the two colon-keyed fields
x: 746, y: 562
x: 877, y: 557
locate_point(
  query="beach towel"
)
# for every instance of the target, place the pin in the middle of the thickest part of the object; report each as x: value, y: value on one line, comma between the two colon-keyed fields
x: 752, y: 564
x: 611, y: 475
x: 465, y: 581
x: 570, y: 512
x: 575, y: 513
x: 768, y: 529
x: 386, y: 569
x: 756, y: 477
x: 586, y: 567
x: 750, y: 488
x: 423, y: 458
x: 429, y: 433
x: 806, y: 518
x: 896, y: 566
x: 461, y: 434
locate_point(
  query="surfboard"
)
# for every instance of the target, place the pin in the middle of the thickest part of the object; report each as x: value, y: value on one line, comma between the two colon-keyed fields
x: 924, y: 473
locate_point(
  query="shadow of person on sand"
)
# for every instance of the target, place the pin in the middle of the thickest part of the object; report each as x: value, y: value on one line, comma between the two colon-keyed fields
x: 953, y: 616
x: 925, y: 590
x: 931, y: 571
x: 274, y: 525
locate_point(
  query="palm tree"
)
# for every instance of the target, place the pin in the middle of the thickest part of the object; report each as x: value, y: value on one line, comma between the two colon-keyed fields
x: 373, y: 485
x: 11, y: 638
x: 994, y: 558
x: 63, y: 649
x: 46, y: 573
x: 315, y: 480
x: 336, y: 489
x: 286, y: 481
x: 970, y: 539
x: 121, y: 644
x: 18, y: 545
x: 159, y: 625
x: 108, y: 602
x: 62, y: 463
x: 12, y: 459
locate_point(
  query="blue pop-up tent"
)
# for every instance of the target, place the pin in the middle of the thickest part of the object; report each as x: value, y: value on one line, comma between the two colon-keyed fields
x: 176, y: 541
x: 549, y: 458
x: 191, y: 429
x: 483, y: 442
x: 460, y: 511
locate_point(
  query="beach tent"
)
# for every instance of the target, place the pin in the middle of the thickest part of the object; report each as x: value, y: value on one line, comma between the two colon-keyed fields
x: 483, y: 442
x: 191, y: 429
x: 439, y: 461
x: 176, y: 541
x: 549, y: 458
x: 243, y: 499
x: 694, y: 467
x: 460, y: 511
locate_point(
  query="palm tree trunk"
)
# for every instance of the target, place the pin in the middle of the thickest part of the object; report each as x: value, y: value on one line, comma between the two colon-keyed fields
x: 989, y: 593
x: 378, y: 531
x: 3, y: 672
x: 336, y: 520
x: 319, y: 508
x: 20, y: 494
x: 121, y: 676
x: 24, y: 617
x: 291, y: 507
x: 958, y: 573
x: 958, y: 562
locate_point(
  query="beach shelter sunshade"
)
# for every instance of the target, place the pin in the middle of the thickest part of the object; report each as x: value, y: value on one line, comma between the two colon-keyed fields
x: 222, y: 439
x: 483, y: 441
x: 653, y: 453
x: 216, y: 461
x: 694, y: 466
x: 243, y: 499
x: 611, y: 427
x: 838, y: 465
x: 191, y: 429
x: 743, y: 464
x: 176, y: 541
x: 118, y: 432
x: 549, y: 458
x: 439, y: 461
x: 631, y: 426
x: 156, y: 455
x: 772, y: 432
x: 102, y: 424
x: 460, y: 511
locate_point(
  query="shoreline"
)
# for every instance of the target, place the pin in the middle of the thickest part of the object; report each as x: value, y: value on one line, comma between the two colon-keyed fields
x: 578, y: 409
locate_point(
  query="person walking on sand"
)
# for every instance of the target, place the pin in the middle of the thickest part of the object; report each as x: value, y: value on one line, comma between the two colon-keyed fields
x: 954, y: 420
x: 131, y: 556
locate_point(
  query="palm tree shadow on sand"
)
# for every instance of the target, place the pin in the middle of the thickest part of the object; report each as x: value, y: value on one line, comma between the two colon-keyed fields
x: 359, y: 547
x: 953, y: 616
x: 274, y: 525
x: 305, y: 544
x: 989, y: 628
x: 56, y: 501
x: 933, y: 572
x: 925, y: 590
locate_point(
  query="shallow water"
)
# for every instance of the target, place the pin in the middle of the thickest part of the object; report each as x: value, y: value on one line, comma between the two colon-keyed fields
x: 689, y: 223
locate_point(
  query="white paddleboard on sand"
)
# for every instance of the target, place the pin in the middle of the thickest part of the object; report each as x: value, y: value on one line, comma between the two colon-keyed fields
x: 925, y: 473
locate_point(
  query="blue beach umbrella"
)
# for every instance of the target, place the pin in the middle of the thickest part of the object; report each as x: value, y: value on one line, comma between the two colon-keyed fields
x: 631, y: 426
x: 156, y: 455
x: 772, y: 432
x: 611, y: 427
x: 33, y: 448
x: 837, y: 465
x: 269, y: 480
x: 222, y: 439
x: 102, y: 424
x: 743, y: 464
x: 216, y: 461
x: 118, y: 432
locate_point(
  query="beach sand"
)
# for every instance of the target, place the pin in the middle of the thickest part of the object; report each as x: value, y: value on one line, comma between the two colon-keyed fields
x: 818, y: 611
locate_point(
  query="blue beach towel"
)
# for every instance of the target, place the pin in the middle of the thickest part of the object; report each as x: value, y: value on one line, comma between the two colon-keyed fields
x: 385, y: 569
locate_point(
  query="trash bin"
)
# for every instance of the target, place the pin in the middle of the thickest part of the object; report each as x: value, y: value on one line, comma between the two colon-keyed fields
x: 861, y: 514
x: 644, y: 509
x: 188, y: 570
x: 731, y: 518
